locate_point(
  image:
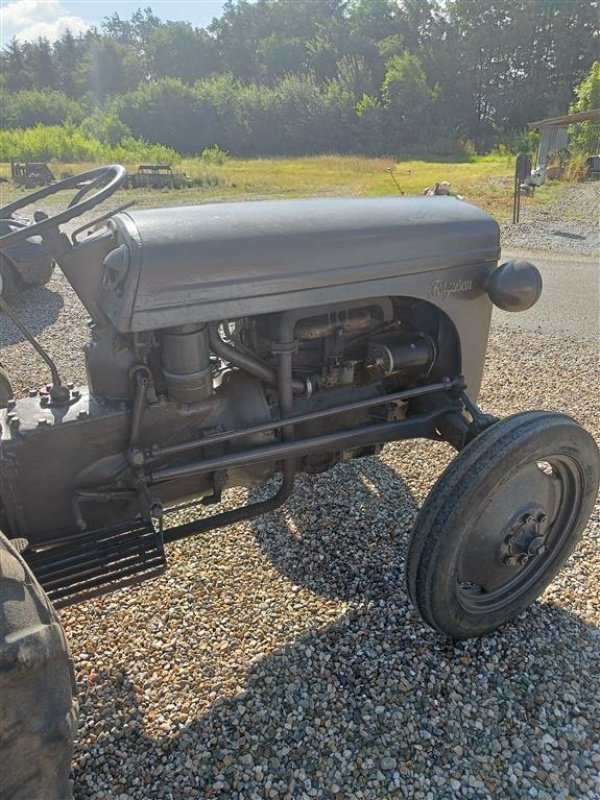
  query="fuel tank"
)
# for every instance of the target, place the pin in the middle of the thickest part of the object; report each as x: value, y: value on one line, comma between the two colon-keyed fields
x: 194, y: 264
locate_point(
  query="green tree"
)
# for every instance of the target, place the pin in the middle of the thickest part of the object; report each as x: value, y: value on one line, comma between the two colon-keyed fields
x: 584, y: 135
x: 69, y: 53
x: 29, y: 108
x: 178, y: 50
x: 354, y: 75
x: 105, y: 126
x: 503, y: 63
x: 14, y: 67
x: 588, y: 91
x: 237, y: 32
x: 265, y: 40
x: 111, y: 68
x: 371, y: 138
x: 41, y: 64
x: 171, y: 113
x: 269, y: 76
x: 301, y: 114
x: 135, y: 31
x: 408, y: 101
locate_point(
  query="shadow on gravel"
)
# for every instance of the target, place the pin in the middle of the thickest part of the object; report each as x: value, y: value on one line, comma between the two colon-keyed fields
x: 567, y: 235
x: 361, y: 558
x: 375, y: 702
x: 357, y: 707
x: 37, y: 309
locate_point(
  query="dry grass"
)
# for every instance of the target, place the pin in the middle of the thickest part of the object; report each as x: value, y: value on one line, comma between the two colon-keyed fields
x: 485, y: 181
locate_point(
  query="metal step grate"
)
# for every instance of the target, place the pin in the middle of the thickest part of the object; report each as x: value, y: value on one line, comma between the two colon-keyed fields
x: 97, y: 563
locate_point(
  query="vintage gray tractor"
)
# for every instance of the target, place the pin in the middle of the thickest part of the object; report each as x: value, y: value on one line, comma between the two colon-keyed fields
x: 236, y: 342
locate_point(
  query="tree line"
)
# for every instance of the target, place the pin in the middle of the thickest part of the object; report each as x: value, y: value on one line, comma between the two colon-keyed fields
x: 279, y: 77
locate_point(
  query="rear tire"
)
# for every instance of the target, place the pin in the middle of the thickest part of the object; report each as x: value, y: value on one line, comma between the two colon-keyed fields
x: 37, y: 688
x: 6, y: 390
x: 9, y: 284
x: 501, y: 521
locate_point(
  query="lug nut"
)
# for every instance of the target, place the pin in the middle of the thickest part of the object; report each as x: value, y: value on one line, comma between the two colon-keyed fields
x: 537, y: 546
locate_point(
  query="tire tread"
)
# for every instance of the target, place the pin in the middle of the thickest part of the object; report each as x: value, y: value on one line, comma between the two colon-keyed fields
x: 447, y: 496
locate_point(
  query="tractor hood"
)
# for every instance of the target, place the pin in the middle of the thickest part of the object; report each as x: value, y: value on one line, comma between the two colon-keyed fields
x: 172, y: 266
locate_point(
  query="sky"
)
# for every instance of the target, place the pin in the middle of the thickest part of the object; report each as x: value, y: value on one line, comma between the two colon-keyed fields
x: 29, y: 19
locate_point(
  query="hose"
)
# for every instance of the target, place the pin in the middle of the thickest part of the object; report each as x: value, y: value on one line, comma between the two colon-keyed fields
x: 247, y: 362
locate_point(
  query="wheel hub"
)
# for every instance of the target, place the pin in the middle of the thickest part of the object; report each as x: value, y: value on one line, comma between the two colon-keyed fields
x: 526, y: 537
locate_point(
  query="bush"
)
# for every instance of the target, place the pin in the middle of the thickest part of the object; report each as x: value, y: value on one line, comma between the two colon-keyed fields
x: 583, y: 136
x: 214, y: 155
x: 106, y: 127
x: 170, y: 112
x: 70, y: 143
x: 29, y: 108
x: 577, y: 170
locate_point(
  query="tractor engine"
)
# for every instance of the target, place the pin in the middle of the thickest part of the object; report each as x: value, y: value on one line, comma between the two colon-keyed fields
x: 151, y: 395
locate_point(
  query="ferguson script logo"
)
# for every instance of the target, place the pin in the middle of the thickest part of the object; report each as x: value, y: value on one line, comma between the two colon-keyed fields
x: 444, y: 288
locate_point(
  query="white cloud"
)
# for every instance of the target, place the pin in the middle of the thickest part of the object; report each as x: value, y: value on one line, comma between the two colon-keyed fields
x: 30, y: 19
x: 24, y: 12
x: 52, y: 30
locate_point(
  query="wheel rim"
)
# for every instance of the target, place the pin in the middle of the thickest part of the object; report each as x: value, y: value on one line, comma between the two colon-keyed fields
x: 519, y: 534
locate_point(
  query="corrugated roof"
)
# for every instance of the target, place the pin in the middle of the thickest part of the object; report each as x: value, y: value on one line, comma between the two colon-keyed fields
x: 568, y: 119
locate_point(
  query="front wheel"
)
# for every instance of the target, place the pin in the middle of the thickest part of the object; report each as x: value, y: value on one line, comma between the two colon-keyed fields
x: 501, y: 521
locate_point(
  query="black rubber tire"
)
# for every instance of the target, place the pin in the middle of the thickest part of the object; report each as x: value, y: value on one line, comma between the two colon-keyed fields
x: 448, y: 521
x: 6, y: 391
x: 9, y: 283
x: 37, y: 688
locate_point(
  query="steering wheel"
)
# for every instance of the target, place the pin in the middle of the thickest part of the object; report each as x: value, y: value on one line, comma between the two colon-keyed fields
x: 109, y: 179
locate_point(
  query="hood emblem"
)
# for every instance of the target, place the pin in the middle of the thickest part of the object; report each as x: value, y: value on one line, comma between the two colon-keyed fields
x: 441, y: 288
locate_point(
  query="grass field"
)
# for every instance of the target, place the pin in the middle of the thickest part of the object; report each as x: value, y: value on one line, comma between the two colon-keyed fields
x: 485, y: 181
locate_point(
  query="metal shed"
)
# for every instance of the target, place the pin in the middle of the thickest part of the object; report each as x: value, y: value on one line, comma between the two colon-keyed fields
x: 554, y: 134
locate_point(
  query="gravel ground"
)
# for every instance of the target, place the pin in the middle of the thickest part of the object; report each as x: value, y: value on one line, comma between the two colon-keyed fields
x: 569, y: 224
x: 281, y: 658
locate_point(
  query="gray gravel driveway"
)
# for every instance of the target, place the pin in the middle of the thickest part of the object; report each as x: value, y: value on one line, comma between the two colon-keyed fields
x: 570, y: 300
